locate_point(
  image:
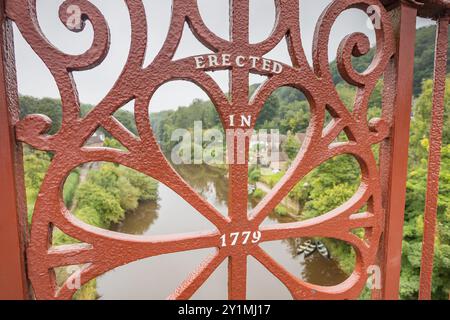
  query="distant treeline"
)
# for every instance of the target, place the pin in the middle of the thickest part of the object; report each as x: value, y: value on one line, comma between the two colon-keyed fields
x: 286, y: 109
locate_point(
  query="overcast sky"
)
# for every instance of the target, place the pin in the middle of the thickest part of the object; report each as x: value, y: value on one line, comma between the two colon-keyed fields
x: 34, y: 79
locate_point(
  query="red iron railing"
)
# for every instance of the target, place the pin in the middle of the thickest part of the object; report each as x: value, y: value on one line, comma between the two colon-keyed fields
x: 382, y: 189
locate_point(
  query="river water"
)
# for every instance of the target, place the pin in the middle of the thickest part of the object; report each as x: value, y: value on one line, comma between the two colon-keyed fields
x: 158, y: 277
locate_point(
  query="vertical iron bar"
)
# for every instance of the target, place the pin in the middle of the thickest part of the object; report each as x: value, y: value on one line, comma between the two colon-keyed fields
x: 394, y: 151
x: 13, y: 283
x: 434, y: 159
x: 238, y: 172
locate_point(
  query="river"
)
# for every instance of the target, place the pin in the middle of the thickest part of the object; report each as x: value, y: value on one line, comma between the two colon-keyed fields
x: 158, y: 277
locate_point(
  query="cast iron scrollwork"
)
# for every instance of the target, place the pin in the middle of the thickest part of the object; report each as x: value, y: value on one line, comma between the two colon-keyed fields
x: 102, y: 250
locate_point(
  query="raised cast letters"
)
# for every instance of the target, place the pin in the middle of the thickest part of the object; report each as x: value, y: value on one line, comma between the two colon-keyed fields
x: 246, y: 120
x: 212, y: 61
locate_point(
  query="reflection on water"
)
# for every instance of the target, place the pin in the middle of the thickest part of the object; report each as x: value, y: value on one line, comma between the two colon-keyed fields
x: 208, y: 181
x: 140, y: 220
x: 158, y: 277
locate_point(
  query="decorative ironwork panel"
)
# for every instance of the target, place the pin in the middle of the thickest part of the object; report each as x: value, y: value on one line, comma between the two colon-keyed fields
x: 102, y: 250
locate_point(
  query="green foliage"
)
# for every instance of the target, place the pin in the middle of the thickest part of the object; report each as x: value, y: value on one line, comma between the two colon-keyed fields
x: 70, y: 187
x: 281, y: 210
x: 113, y: 143
x: 112, y: 190
x: 375, y: 101
x: 289, y: 95
x: 301, y: 193
x: 291, y: 146
x: 324, y: 189
x: 36, y: 164
x: 341, y: 170
x: 423, y: 60
x: 343, y: 252
x: 90, y: 216
x: 106, y: 204
x: 415, y: 201
x: 270, y: 110
x: 46, y: 106
x: 254, y: 174
x: 87, y: 291
x: 102, y: 199
x: 272, y: 180
x: 258, y: 194
x: 52, y: 108
x: 347, y: 94
x: 413, y: 230
x: 60, y: 238
x: 127, y: 119
x: 148, y: 187
x: 129, y: 195
x: 420, y: 124
x: 424, y: 57
x: 294, y: 117
x: 165, y: 122
x: 328, y: 199
x: 360, y: 64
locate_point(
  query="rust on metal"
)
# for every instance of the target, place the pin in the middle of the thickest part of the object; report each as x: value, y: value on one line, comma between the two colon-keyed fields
x: 434, y: 159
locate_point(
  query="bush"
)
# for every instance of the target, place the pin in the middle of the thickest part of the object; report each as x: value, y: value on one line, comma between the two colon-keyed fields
x: 291, y: 146
x: 281, y: 210
x: 258, y: 194
x: 254, y: 175
x: 104, y: 203
x: 272, y: 180
x: 70, y: 187
x: 129, y: 195
x: 36, y: 164
x: 148, y: 187
x: 90, y: 216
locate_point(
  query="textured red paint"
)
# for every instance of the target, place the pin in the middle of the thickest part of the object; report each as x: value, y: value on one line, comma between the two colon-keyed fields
x: 104, y: 250
x: 107, y: 250
x: 397, y: 104
x: 425, y: 8
x: 13, y: 284
x: 434, y: 159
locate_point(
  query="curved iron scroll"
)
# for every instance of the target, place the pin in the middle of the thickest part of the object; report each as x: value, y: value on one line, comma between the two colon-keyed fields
x: 104, y: 250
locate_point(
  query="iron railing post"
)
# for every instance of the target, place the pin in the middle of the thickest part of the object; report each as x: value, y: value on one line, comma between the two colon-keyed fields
x: 13, y: 283
x: 394, y: 151
x: 434, y: 159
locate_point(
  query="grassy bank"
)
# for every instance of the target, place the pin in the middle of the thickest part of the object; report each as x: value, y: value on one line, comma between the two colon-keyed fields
x: 103, y: 198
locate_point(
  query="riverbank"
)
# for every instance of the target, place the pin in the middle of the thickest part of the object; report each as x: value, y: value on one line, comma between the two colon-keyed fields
x: 310, y: 198
x: 156, y: 216
x: 103, y: 194
x: 171, y: 214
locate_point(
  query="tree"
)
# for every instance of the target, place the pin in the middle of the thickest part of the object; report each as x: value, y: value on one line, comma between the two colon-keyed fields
x: 36, y: 164
x: 420, y: 124
x: 46, y: 106
x: 90, y: 195
x: 127, y: 119
x: 270, y: 110
x: 413, y: 230
x: 415, y: 201
x: 294, y: 117
x: 148, y: 187
x: 291, y: 146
